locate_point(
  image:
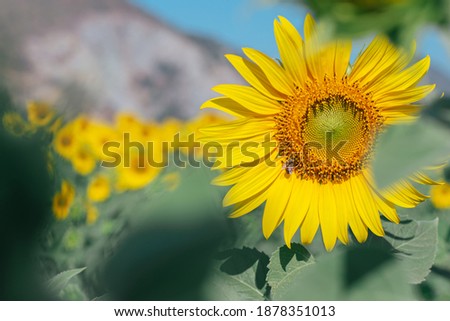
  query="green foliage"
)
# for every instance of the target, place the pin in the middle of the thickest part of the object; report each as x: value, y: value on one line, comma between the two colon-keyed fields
x: 284, y: 267
x: 415, y: 244
x: 351, y: 274
x: 399, y: 19
x: 241, y: 276
x: 59, y: 282
x: 405, y: 149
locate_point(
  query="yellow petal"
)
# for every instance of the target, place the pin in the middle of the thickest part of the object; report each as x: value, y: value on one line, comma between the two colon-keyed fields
x: 357, y: 225
x: 291, y: 32
x: 253, y: 182
x: 250, y: 98
x: 297, y: 208
x: 230, y: 177
x: 365, y: 205
x: 291, y: 53
x: 276, y: 75
x: 386, y: 207
x: 277, y: 200
x: 404, y: 97
x: 310, y: 224
x: 404, y: 194
x: 228, y: 106
x: 249, y: 205
x: 423, y: 179
x: 237, y: 130
x: 254, y: 75
x: 313, y: 49
x: 342, y: 212
x: 402, y: 80
x: 246, y: 154
x: 327, y: 216
x: 367, y: 63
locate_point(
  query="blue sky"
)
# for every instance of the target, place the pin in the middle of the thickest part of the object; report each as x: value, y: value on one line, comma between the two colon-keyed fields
x: 249, y: 23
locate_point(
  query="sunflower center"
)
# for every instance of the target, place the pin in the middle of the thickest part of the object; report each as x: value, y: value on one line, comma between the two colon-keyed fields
x: 326, y: 131
x: 333, y: 131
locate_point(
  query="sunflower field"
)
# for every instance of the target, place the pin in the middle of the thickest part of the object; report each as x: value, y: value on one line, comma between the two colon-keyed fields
x: 322, y: 173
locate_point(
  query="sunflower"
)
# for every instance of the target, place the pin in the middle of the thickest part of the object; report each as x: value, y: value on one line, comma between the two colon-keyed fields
x: 83, y: 161
x: 65, y: 141
x: 39, y: 113
x: 313, y: 121
x: 91, y: 214
x: 135, y: 173
x: 63, y: 200
x: 97, y: 136
x: 16, y: 125
x: 99, y: 188
x: 440, y: 196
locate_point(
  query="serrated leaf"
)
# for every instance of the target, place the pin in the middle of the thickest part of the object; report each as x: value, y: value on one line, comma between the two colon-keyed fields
x: 350, y: 274
x: 284, y: 267
x: 415, y: 244
x: 405, y: 149
x: 240, y: 277
x: 57, y: 283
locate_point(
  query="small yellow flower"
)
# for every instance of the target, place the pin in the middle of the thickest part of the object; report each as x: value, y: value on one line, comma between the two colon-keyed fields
x: 91, y: 214
x: 82, y: 160
x: 82, y: 124
x: 137, y: 174
x: 63, y: 200
x: 15, y: 124
x: 65, y: 142
x: 440, y: 196
x: 99, y: 188
x: 97, y: 136
x: 39, y: 113
x: 126, y: 122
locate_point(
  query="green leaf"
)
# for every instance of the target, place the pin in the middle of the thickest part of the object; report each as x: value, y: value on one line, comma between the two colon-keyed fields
x: 405, y: 149
x: 57, y: 283
x: 240, y: 277
x: 284, y: 267
x: 415, y: 244
x: 351, y: 274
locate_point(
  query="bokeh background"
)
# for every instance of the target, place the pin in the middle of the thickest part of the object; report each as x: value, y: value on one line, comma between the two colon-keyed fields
x: 147, y: 65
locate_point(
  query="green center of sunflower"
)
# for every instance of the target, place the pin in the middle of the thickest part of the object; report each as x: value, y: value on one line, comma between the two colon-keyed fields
x: 333, y: 132
x: 326, y: 132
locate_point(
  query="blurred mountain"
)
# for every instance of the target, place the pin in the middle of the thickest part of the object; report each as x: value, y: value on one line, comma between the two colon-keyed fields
x: 106, y: 55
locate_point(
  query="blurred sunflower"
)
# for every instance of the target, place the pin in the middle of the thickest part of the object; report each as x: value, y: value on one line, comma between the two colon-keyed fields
x: 16, y: 125
x: 192, y: 128
x: 63, y: 200
x: 40, y: 113
x: 169, y: 128
x: 91, y: 214
x: 82, y: 160
x: 99, y: 188
x: 440, y: 196
x: 324, y: 118
x: 97, y: 136
x: 136, y: 174
x: 65, y: 141
x: 127, y: 123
